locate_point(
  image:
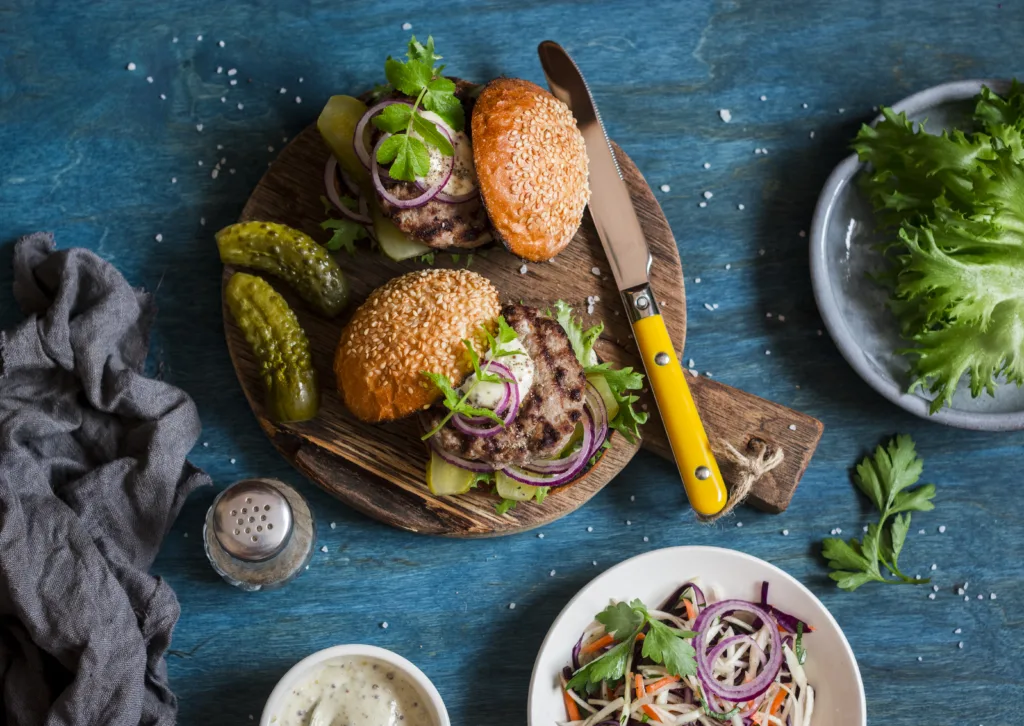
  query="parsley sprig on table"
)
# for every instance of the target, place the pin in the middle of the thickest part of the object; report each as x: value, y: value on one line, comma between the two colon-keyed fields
x: 886, y: 479
x: 346, y: 231
x: 456, y: 401
x: 662, y: 644
x: 419, y: 78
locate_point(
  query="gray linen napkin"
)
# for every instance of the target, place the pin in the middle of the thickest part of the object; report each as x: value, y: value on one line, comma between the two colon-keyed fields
x: 92, y: 475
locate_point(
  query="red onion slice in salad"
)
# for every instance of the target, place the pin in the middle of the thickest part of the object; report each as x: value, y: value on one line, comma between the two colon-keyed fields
x: 705, y: 663
x: 330, y: 186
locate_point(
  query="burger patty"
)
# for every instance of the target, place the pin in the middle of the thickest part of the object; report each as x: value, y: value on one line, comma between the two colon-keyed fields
x: 550, y: 410
x: 438, y: 224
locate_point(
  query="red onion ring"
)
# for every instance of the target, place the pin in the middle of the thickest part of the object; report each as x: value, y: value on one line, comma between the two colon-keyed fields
x: 462, y: 423
x: 468, y: 464
x: 359, y: 136
x: 330, y: 175
x: 391, y: 198
x: 705, y: 665
x: 600, y: 412
x: 524, y: 476
x: 503, y: 370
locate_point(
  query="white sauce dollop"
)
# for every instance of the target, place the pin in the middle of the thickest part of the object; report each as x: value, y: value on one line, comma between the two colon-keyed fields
x: 488, y: 395
x: 355, y: 691
x: 463, y: 179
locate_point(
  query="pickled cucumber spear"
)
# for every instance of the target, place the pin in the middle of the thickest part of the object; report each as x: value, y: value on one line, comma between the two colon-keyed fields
x: 279, y: 344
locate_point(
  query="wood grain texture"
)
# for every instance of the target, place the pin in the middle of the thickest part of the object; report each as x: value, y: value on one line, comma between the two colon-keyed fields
x: 391, y: 486
x: 89, y: 150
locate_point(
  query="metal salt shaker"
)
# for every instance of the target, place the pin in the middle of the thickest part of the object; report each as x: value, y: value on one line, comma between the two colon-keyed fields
x: 259, y: 534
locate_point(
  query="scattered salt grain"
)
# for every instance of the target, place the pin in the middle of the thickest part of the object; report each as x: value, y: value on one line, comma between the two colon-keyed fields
x: 792, y: 427
x: 707, y: 306
x: 523, y: 269
x: 301, y: 79
x: 324, y: 549
x: 174, y: 39
x: 708, y: 195
x: 199, y: 163
x: 935, y: 588
x: 163, y: 96
x: 220, y: 43
x: 594, y: 563
x: 270, y: 149
x: 220, y: 69
x: 919, y: 659
x: 628, y: 523
x: 980, y: 596
x: 739, y: 524
x: 931, y: 596
x: 782, y: 318
x: 966, y: 598
x: 764, y: 98
x: 241, y: 106
x: 551, y: 574
x: 298, y: 99
x: 934, y: 567
x: 960, y: 645
x: 767, y: 352
x: 666, y: 188
x: 725, y: 115
x: 282, y: 90
x: 690, y: 363
x: 199, y: 38
x: 595, y: 271
x: 215, y: 173
x: 785, y: 533
x: 206, y: 444
x: 232, y: 71
x: 130, y: 66
x: 819, y: 333
x: 540, y: 535
x: 590, y: 529
x: 812, y: 134
x: 958, y: 631
x: 707, y: 165
x: 702, y: 205
x: 334, y: 525
x: 232, y: 461
x: 199, y: 127
x: 728, y: 266
x: 942, y: 529
x: 696, y: 280
x: 511, y: 606
x: 233, y: 82
x: 740, y: 207
x: 406, y: 26
x: 864, y: 528
x: 920, y: 531
x: 959, y: 591
x: 803, y: 105
x: 202, y: 221
x: 992, y: 596
x: 159, y: 238
x: 223, y: 100
x: 842, y: 110
x: 632, y: 497
x: 149, y: 79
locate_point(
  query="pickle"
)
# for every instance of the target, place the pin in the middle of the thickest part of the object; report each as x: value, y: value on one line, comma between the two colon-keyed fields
x: 291, y: 255
x: 280, y: 346
x: 337, y: 125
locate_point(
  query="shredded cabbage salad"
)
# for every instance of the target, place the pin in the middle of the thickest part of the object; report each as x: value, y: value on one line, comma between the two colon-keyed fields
x: 691, y: 661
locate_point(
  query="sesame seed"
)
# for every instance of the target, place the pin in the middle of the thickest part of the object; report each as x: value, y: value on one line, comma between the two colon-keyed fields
x: 298, y: 99
x: 666, y: 188
x: 130, y: 66
x: 324, y: 549
x: 725, y: 115
x: 785, y: 533
x: 708, y: 306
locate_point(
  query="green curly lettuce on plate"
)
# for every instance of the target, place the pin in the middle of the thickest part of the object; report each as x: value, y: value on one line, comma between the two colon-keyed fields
x: 954, y: 203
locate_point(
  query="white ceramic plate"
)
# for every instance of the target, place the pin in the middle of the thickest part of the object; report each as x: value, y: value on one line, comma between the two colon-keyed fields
x: 654, y: 576
x: 843, y: 255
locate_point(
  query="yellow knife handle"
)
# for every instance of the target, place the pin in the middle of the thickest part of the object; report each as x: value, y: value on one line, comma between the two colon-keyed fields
x: 702, y: 480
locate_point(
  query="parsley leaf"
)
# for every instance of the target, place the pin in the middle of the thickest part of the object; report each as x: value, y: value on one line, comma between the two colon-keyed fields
x: 622, y: 618
x: 428, y: 130
x: 886, y: 479
x: 407, y: 155
x: 424, y: 53
x: 609, y: 667
x: 409, y: 77
x: 663, y: 645
x: 427, y: 258
x: 441, y: 99
x: 393, y: 118
x: 346, y: 232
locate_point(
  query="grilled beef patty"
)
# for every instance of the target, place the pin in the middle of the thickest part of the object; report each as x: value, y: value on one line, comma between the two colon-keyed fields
x: 438, y: 224
x: 549, y: 412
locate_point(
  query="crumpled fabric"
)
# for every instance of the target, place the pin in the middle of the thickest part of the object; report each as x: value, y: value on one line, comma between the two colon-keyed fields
x: 93, y: 472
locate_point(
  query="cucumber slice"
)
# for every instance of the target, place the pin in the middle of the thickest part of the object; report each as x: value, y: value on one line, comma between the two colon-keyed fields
x: 337, y: 125
x: 393, y: 242
x: 511, y: 489
x: 599, y: 382
x: 445, y: 480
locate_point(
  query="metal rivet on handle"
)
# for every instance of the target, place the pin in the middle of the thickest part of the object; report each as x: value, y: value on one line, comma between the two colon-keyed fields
x: 661, y: 359
x: 642, y: 302
x: 702, y: 472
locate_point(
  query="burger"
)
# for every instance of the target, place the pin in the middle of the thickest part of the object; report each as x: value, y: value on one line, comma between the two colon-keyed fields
x: 505, y: 395
x: 428, y: 162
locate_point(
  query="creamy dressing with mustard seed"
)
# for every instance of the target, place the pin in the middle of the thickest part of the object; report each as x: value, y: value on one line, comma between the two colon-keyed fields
x: 354, y: 691
x: 488, y: 395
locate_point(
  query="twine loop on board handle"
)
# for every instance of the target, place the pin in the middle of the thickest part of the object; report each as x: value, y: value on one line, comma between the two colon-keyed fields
x: 743, y: 470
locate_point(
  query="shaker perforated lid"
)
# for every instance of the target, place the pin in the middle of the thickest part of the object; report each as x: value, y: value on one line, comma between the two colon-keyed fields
x: 252, y: 520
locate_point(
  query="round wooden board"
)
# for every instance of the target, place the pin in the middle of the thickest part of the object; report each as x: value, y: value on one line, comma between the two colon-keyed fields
x: 379, y: 469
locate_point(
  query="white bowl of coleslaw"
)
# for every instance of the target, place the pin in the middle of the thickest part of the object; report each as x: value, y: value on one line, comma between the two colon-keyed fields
x: 825, y: 690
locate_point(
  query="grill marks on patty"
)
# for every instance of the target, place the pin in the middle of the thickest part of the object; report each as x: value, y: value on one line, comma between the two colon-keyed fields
x: 548, y: 413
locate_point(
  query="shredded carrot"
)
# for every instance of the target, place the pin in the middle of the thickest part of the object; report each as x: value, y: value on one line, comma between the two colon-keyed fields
x: 691, y: 611
x: 777, y: 703
x: 570, y: 707
x: 662, y: 683
x: 781, y: 629
x: 639, y: 683
x: 598, y: 644
x: 652, y: 713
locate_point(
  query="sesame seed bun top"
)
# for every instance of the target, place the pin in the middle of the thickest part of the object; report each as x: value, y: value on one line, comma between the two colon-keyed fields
x: 413, y: 323
x: 532, y: 166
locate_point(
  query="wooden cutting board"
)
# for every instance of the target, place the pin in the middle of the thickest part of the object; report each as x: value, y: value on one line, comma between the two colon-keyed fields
x: 379, y: 469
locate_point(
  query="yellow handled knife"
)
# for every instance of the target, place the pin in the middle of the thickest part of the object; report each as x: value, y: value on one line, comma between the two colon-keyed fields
x: 626, y: 248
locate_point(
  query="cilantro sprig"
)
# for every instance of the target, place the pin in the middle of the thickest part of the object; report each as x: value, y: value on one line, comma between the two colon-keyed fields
x: 663, y: 644
x: 346, y: 231
x: 886, y: 478
x: 420, y: 78
x: 620, y: 380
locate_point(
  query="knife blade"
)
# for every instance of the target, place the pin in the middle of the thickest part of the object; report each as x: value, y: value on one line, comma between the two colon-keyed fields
x: 629, y: 257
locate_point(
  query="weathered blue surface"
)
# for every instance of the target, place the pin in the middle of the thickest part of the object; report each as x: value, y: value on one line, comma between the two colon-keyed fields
x: 88, y: 150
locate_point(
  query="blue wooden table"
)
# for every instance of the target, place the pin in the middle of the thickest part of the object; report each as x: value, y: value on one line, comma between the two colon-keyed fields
x: 120, y: 161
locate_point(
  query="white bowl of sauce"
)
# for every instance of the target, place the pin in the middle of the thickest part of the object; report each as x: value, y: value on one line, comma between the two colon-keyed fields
x: 354, y: 684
